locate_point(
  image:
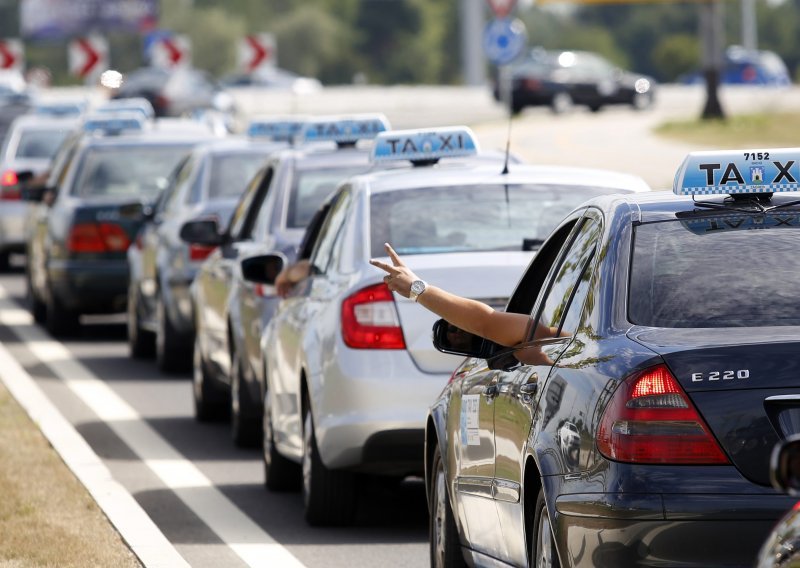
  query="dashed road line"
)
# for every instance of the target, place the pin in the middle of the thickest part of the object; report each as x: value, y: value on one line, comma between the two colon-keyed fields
x: 245, y: 538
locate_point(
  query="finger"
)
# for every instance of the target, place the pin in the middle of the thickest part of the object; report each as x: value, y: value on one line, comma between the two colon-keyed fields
x: 382, y: 265
x: 393, y: 255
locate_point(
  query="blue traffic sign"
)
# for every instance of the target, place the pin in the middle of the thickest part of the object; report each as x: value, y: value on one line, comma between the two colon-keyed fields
x: 504, y: 39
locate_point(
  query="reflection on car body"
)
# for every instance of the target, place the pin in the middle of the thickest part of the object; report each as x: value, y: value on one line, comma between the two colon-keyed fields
x: 350, y: 367
x: 648, y: 292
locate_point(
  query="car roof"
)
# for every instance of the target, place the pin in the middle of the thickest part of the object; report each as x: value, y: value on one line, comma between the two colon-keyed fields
x: 325, y: 155
x: 238, y: 145
x: 481, y: 172
x: 44, y: 122
x: 143, y: 138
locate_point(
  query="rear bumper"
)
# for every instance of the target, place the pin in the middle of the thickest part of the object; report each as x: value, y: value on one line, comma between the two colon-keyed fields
x: 13, y: 220
x: 687, y: 530
x: 90, y: 286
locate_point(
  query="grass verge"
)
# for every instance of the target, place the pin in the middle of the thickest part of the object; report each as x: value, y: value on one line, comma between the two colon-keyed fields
x: 740, y: 131
x: 47, y: 518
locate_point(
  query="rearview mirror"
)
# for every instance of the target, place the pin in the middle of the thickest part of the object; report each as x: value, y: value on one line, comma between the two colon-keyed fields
x: 263, y: 269
x: 785, y: 466
x: 202, y: 232
x: 448, y: 338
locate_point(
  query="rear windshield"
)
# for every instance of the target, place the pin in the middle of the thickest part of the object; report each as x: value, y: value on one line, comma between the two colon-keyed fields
x: 40, y: 143
x: 127, y: 170
x: 470, y: 218
x: 310, y: 188
x: 231, y: 174
x: 717, y: 271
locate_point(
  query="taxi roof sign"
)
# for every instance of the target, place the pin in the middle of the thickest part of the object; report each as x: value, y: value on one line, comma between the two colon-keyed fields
x: 347, y: 129
x: 425, y: 145
x: 109, y: 123
x: 732, y: 172
x: 279, y: 129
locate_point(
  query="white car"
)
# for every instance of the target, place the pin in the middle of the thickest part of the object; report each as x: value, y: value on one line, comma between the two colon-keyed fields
x: 350, y: 368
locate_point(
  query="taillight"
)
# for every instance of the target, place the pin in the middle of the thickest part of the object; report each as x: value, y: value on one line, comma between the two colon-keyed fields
x: 532, y: 84
x: 200, y: 252
x: 651, y: 420
x: 97, y: 238
x: 9, y: 186
x: 369, y: 320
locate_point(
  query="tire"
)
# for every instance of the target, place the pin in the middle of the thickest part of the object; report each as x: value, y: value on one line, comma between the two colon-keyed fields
x: 561, y: 103
x: 595, y: 107
x: 246, y: 431
x: 60, y: 321
x: 209, y: 404
x: 141, y: 342
x: 5, y: 262
x: 280, y: 474
x: 329, y: 496
x: 543, y: 546
x: 172, y: 353
x: 642, y: 101
x: 445, y: 546
x: 36, y: 305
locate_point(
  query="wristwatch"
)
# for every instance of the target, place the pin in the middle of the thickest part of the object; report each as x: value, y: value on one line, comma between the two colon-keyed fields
x: 417, y: 288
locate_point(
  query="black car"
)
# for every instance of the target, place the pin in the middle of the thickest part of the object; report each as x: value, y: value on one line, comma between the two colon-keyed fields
x: 640, y: 433
x: 78, y: 242
x: 561, y: 79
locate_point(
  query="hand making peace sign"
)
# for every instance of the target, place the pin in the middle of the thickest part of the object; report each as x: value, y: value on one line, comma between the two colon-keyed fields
x: 399, y: 277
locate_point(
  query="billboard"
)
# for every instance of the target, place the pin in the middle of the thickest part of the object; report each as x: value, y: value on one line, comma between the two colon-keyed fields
x: 58, y: 19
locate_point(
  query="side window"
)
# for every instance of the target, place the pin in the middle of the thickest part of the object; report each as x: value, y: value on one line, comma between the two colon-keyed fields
x: 330, y: 231
x: 195, y: 192
x: 241, y: 225
x: 565, y: 286
x: 179, y: 177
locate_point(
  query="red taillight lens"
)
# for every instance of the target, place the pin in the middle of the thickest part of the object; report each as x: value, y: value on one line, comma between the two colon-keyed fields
x: 532, y: 84
x: 199, y: 252
x: 369, y: 320
x: 97, y: 238
x: 9, y: 186
x: 651, y: 420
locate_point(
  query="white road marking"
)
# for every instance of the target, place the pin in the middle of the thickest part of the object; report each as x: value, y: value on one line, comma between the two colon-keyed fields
x: 251, y: 543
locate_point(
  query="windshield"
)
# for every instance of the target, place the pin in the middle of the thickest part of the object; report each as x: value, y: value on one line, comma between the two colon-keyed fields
x: 310, y: 189
x: 470, y: 218
x: 231, y: 174
x: 717, y: 271
x: 127, y: 170
x: 40, y: 143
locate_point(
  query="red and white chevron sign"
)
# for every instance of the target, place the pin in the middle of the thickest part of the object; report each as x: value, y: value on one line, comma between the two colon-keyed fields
x: 87, y: 56
x: 256, y: 50
x: 12, y: 54
x: 173, y: 51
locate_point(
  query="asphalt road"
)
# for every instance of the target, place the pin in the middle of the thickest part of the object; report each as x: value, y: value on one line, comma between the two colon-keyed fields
x: 206, y: 496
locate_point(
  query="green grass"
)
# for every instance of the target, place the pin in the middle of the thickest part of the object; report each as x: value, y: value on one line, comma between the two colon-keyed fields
x: 740, y: 131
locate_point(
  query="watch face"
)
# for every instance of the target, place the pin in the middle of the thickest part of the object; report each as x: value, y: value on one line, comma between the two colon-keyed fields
x: 418, y: 287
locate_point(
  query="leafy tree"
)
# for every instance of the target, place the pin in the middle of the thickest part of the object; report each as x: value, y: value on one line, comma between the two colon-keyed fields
x: 675, y: 55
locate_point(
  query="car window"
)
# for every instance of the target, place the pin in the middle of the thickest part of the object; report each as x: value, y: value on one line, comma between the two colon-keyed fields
x: 573, y: 269
x: 40, y: 143
x: 711, y: 271
x: 331, y: 228
x: 126, y: 170
x: 470, y: 218
x: 244, y: 216
x: 167, y: 200
x: 310, y: 187
x: 230, y: 174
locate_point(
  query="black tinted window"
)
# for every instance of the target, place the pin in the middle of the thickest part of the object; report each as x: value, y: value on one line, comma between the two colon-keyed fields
x: 723, y: 270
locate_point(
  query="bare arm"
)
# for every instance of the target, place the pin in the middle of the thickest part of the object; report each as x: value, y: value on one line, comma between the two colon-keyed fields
x: 291, y: 275
x: 470, y: 315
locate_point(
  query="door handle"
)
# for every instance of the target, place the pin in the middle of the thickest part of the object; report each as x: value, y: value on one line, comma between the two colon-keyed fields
x: 529, y: 388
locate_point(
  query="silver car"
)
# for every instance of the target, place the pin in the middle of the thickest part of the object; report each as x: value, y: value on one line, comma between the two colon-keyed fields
x: 30, y: 145
x: 350, y: 367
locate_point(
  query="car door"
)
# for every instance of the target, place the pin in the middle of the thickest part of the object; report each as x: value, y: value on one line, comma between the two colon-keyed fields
x: 296, y: 326
x: 214, y: 278
x: 556, y: 319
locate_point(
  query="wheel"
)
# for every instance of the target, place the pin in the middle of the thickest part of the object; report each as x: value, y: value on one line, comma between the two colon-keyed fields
x: 208, y: 401
x: 561, y: 103
x: 329, y: 496
x: 141, y: 342
x: 543, y: 546
x: 595, y: 107
x: 642, y: 101
x: 5, y: 261
x: 280, y: 474
x: 172, y: 355
x: 246, y: 430
x: 443, y: 540
x: 36, y: 305
x: 60, y: 321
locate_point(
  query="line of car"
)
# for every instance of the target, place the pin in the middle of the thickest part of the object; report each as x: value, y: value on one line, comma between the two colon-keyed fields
x: 639, y: 435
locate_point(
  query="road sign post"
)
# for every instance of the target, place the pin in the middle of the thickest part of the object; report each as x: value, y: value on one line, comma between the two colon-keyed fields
x: 503, y: 41
x: 501, y: 8
x: 88, y: 57
x: 171, y: 51
x: 257, y: 51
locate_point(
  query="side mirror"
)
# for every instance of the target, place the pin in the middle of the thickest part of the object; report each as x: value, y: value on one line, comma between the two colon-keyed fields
x: 202, y: 232
x: 263, y: 269
x: 24, y: 177
x: 33, y: 193
x: 785, y: 466
x: 448, y: 338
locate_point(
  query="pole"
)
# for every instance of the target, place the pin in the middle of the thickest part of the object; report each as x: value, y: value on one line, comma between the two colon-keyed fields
x: 749, y: 25
x: 711, y: 38
x: 472, y: 59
